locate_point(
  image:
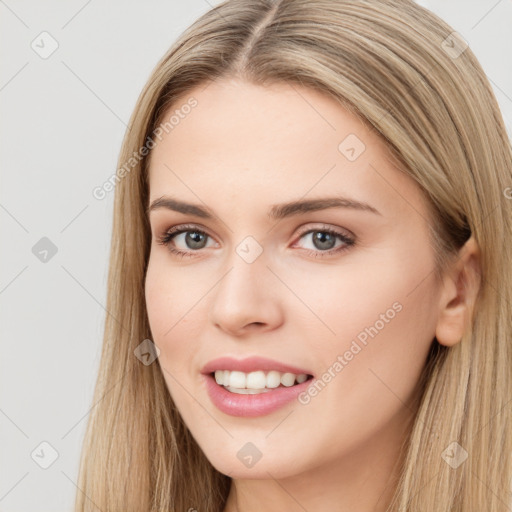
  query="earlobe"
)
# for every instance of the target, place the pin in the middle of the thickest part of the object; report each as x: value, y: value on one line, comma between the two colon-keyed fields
x: 460, y: 289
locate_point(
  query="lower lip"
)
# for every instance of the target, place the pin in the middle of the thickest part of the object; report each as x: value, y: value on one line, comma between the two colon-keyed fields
x: 236, y: 404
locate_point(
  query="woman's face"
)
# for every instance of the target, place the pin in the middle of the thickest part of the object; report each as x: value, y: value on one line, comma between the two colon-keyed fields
x: 341, y: 293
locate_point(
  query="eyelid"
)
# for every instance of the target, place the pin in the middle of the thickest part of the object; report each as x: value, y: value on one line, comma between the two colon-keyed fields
x: 319, y: 226
x: 180, y: 228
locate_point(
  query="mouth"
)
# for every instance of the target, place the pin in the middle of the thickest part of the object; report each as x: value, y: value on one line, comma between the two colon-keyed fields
x: 253, y: 387
x: 257, y: 382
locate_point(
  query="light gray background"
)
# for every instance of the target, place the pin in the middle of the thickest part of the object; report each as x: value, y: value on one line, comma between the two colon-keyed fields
x: 63, y: 120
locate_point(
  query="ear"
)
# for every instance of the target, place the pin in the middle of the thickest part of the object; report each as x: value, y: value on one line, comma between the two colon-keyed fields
x: 460, y: 289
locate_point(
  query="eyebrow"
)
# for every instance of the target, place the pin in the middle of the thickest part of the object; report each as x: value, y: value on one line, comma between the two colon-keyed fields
x: 276, y: 212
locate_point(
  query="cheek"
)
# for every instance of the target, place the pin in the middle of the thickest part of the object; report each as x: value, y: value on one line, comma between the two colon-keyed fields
x: 370, y: 368
x: 384, y: 299
x: 384, y: 323
x: 173, y: 297
x: 171, y: 328
x: 168, y: 302
x: 386, y: 290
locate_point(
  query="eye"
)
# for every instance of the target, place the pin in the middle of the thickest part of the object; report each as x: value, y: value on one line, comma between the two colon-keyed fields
x: 189, y: 235
x: 323, y: 241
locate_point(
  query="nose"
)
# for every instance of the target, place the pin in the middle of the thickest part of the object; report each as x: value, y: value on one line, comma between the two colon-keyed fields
x: 247, y: 298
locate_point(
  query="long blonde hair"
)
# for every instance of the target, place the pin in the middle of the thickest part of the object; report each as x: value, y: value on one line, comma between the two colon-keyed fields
x: 400, y: 68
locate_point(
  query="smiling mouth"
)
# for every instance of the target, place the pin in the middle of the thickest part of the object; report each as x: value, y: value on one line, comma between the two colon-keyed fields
x: 257, y: 382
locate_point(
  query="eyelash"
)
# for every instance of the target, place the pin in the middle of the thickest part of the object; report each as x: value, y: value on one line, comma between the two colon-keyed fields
x: 167, y: 237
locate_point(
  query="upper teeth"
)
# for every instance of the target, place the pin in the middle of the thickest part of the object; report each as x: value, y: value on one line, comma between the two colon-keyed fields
x: 258, y: 379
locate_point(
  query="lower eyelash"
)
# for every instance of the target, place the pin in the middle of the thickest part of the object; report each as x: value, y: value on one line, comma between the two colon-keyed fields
x: 166, y: 238
x: 181, y: 254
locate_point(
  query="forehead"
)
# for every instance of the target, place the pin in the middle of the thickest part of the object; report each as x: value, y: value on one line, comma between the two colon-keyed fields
x: 269, y: 144
x: 254, y: 120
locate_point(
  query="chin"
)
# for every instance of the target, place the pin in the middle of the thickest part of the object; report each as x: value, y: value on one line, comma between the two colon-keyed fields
x: 244, y: 460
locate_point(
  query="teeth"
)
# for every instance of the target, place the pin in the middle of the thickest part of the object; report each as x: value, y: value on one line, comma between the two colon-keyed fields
x: 273, y: 379
x: 255, y: 382
x: 288, y: 379
x: 237, y: 379
x: 302, y: 378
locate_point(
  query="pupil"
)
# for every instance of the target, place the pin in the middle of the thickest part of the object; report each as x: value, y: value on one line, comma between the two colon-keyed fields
x: 323, y: 240
x: 193, y: 238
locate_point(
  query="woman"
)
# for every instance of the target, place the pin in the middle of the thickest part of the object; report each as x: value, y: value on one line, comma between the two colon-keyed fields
x: 309, y: 292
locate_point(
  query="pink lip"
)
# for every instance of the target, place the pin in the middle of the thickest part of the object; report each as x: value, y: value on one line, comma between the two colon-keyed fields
x: 251, y: 405
x: 251, y: 364
x: 236, y: 404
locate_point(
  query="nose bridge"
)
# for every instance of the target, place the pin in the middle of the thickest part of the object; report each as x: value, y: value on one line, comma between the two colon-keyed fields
x: 242, y: 296
x: 246, y: 277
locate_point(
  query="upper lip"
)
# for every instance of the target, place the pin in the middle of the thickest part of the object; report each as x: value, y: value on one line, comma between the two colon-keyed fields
x: 251, y: 364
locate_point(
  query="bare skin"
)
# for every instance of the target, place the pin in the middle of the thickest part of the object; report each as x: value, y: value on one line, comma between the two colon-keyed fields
x: 241, y: 150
